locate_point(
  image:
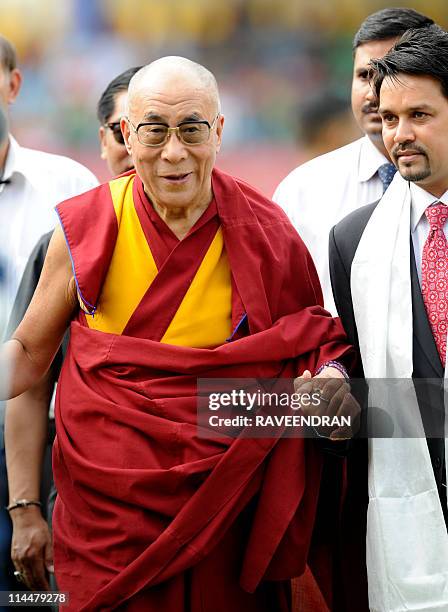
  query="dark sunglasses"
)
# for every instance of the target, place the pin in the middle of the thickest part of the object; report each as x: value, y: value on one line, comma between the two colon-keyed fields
x: 116, y: 131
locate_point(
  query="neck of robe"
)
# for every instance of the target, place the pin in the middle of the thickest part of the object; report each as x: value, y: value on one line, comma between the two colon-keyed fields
x: 180, y: 219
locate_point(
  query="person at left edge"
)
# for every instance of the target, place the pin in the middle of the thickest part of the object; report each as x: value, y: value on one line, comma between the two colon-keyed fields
x: 31, y: 184
x: 27, y: 421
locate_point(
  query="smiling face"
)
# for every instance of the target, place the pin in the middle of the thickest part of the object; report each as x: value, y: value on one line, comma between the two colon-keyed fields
x: 364, y: 105
x: 415, y: 123
x: 175, y: 175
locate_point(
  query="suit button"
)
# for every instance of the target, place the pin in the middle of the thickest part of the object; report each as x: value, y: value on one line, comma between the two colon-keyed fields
x: 437, y: 463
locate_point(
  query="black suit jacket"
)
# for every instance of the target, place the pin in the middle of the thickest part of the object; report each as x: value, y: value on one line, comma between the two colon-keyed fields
x: 344, y: 240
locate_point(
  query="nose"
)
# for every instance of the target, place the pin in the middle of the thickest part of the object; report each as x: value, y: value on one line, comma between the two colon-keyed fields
x: 174, y: 150
x: 370, y: 94
x: 404, y: 132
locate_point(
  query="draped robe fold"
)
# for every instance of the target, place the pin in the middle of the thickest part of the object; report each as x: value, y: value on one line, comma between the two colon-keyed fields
x: 149, y: 515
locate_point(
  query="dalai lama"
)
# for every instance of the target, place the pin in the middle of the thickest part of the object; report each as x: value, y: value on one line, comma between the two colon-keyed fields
x: 170, y: 273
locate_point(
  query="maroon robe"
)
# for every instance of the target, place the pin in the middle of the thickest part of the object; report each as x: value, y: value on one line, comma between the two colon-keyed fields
x: 149, y: 516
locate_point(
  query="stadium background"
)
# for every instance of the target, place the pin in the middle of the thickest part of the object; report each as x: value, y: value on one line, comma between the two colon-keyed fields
x: 283, y: 67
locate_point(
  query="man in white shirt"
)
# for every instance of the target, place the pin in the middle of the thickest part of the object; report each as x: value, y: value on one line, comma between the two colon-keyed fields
x: 389, y: 271
x: 32, y: 183
x: 319, y: 193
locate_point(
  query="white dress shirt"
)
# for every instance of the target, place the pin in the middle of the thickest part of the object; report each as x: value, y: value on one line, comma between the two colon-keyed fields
x: 321, y: 192
x: 38, y: 182
x: 420, y: 200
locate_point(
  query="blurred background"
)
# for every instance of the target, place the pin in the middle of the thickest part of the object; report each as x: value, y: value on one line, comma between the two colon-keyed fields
x: 283, y: 67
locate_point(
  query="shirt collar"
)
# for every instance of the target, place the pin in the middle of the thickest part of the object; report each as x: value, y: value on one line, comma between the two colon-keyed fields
x: 14, y: 160
x: 420, y: 200
x: 370, y: 160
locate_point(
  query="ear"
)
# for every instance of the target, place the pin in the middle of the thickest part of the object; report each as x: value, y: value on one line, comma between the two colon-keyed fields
x: 15, y: 82
x: 219, y: 128
x: 103, y: 145
x: 126, y: 130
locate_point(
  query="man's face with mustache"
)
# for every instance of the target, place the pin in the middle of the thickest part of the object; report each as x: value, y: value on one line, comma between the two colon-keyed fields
x: 363, y: 100
x: 414, y: 111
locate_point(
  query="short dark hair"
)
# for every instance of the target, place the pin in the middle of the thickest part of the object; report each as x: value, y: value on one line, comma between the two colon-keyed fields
x: 389, y: 23
x: 418, y: 52
x: 106, y: 103
x: 8, y: 55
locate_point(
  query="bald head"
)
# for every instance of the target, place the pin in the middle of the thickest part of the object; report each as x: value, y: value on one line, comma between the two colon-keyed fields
x: 165, y: 72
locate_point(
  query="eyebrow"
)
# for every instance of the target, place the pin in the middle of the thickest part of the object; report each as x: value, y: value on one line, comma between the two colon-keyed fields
x: 418, y: 107
x: 159, y: 119
x: 193, y: 117
x: 153, y: 117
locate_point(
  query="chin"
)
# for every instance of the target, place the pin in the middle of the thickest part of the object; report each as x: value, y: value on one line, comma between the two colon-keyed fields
x: 415, y: 177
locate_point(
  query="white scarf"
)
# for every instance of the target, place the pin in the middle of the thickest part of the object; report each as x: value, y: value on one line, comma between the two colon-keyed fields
x: 407, y: 543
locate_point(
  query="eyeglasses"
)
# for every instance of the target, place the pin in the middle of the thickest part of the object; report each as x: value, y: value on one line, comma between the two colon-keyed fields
x: 115, y: 128
x: 157, y: 134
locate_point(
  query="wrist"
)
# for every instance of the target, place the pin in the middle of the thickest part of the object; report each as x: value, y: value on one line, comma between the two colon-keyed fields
x: 333, y: 369
x: 23, y: 504
x: 25, y: 516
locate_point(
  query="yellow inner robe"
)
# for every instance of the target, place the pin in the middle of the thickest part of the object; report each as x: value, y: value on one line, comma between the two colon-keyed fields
x: 203, y: 319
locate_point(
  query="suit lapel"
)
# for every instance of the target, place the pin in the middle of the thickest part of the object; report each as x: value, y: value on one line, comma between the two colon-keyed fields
x: 422, y: 330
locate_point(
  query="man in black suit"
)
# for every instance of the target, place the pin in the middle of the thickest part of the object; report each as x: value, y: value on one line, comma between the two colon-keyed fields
x: 389, y: 273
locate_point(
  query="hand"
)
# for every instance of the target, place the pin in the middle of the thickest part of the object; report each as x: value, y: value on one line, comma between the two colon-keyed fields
x: 31, y: 547
x: 335, y: 399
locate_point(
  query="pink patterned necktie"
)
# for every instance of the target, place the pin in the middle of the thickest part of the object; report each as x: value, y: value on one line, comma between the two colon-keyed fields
x: 435, y: 276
